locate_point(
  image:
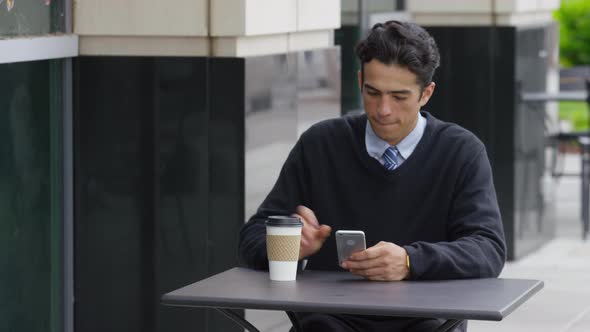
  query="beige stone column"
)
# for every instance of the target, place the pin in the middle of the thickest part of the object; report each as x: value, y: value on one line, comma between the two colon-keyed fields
x: 204, y: 28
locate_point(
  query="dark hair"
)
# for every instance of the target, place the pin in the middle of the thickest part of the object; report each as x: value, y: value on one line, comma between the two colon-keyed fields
x: 404, y: 44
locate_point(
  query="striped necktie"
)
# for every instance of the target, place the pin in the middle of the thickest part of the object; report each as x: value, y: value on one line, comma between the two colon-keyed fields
x: 391, y: 158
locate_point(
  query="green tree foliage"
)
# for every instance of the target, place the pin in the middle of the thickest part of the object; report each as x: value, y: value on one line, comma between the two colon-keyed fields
x: 574, y: 32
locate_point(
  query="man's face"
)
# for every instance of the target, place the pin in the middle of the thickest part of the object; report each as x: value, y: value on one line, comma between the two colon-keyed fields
x: 392, y: 99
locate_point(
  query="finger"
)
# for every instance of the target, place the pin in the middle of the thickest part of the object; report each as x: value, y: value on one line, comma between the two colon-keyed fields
x: 306, y: 225
x: 300, y: 218
x: 370, y: 273
x: 304, y: 243
x: 370, y: 253
x: 296, y: 215
x: 303, y: 248
x: 307, y: 214
x: 380, y: 277
x: 363, y: 265
x: 324, y: 232
x: 305, y: 222
x: 308, y: 233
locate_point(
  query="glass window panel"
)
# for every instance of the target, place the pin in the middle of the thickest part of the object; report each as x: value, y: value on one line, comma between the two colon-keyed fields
x: 31, y: 17
x: 30, y: 196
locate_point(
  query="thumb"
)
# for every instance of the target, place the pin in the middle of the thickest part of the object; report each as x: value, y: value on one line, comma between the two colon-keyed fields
x: 324, y: 232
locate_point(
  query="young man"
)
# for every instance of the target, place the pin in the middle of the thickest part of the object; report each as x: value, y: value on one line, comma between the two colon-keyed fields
x: 421, y: 189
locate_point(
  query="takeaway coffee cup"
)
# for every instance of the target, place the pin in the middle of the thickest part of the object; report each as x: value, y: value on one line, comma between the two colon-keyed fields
x: 283, y: 237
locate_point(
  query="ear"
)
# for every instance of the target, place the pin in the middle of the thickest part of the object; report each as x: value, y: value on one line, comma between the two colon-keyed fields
x: 360, y: 79
x: 427, y: 93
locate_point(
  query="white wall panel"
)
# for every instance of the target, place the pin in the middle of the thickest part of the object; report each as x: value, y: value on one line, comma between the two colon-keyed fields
x: 316, y: 15
x: 252, y: 17
x: 299, y: 41
x: 141, y: 17
x: 249, y: 45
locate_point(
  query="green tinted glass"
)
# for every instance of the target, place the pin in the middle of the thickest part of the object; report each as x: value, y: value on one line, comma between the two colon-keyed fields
x: 30, y: 196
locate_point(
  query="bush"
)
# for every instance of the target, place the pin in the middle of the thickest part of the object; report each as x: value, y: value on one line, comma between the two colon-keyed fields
x: 574, y: 32
x: 576, y: 113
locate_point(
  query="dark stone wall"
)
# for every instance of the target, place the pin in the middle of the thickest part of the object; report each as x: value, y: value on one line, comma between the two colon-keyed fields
x: 477, y: 81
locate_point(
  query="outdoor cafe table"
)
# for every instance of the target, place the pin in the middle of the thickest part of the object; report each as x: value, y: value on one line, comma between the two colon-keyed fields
x: 341, y: 292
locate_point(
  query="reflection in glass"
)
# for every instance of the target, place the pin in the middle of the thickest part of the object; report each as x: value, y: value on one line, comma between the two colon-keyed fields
x: 30, y: 200
x: 534, y: 215
x: 142, y: 193
x: 285, y: 95
x: 31, y: 17
x: 318, y: 86
x: 271, y: 122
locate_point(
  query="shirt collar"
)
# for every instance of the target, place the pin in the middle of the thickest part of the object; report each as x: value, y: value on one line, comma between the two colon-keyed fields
x: 376, y: 146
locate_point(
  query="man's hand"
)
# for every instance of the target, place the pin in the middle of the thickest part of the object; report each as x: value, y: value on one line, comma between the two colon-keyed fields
x: 385, y: 262
x: 313, y: 234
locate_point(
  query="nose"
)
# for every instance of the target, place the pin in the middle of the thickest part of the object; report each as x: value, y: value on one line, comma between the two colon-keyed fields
x: 385, y: 108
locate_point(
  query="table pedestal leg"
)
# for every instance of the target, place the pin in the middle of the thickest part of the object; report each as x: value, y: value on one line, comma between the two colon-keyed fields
x: 238, y: 320
x: 449, y: 325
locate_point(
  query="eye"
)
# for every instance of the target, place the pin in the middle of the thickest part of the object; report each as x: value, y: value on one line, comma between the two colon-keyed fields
x: 400, y: 98
x: 372, y: 93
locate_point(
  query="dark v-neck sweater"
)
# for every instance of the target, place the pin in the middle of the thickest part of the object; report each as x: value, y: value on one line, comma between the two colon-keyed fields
x: 440, y: 204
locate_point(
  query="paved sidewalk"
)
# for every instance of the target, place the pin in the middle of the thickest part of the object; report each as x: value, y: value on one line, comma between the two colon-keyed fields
x: 563, y: 305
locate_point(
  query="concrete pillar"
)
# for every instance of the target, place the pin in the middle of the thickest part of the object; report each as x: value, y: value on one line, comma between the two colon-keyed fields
x: 488, y: 48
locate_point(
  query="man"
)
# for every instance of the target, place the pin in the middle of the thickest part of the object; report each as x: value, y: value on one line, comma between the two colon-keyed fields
x: 421, y: 189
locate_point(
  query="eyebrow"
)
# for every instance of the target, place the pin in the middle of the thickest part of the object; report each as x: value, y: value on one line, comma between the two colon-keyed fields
x: 403, y: 91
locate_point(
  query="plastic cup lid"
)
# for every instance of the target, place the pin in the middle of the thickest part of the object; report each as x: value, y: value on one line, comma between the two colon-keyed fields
x: 283, y: 221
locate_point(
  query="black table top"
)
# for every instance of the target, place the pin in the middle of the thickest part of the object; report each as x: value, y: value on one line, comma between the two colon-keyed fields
x: 342, y: 292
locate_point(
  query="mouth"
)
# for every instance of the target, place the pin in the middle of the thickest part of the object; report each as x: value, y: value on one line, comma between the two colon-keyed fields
x: 385, y: 124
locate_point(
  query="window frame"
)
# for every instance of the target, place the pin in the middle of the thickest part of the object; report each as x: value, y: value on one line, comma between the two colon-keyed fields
x: 62, y: 46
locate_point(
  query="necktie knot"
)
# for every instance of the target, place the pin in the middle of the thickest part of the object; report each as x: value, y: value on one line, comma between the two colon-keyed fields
x: 391, y: 158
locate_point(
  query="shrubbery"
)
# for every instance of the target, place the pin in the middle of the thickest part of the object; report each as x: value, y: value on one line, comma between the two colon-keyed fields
x: 574, y: 32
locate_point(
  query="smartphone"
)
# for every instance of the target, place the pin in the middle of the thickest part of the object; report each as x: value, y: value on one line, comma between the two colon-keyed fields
x: 349, y: 242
